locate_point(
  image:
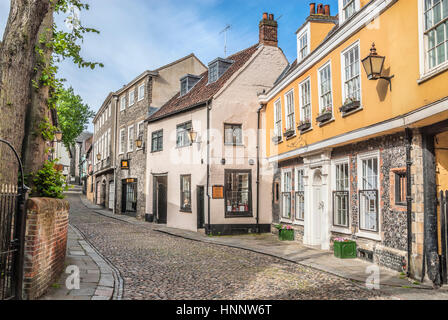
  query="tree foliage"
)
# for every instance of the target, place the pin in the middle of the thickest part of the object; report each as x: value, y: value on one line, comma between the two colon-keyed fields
x: 49, y: 181
x: 73, y: 115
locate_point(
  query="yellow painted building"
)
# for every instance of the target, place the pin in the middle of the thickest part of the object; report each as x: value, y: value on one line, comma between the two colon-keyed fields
x: 347, y: 150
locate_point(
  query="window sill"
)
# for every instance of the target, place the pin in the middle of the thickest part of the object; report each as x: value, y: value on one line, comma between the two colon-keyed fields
x: 284, y: 220
x: 343, y: 230
x: 156, y: 151
x: 368, y: 235
x: 291, y: 137
x: 305, y: 131
x: 433, y: 73
x: 183, y: 147
x: 243, y: 215
x: 233, y: 145
x: 299, y: 222
x: 185, y: 211
x: 322, y: 124
x: 346, y: 114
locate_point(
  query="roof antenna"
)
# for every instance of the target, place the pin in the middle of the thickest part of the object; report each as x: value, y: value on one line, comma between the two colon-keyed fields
x: 227, y: 28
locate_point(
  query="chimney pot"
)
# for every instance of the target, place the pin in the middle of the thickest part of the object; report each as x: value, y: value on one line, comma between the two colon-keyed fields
x: 265, y: 16
x: 327, y: 10
x: 271, y: 17
x: 312, y: 9
x: 320, y: 8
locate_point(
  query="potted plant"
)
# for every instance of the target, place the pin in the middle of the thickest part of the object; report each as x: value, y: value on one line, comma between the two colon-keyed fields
x: 325, y: 115
x: 350, y: 104
x: 344, y: 248
x: 289, y: 133
x: 285, y: 233
x: 304, y: 125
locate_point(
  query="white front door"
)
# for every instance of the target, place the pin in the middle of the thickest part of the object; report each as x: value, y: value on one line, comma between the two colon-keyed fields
x: 111, y: 195
x: 317, y: 215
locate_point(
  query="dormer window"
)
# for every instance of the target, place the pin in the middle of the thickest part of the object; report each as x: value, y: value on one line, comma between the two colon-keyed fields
x: 349, y: 8
x: 303, y: 46
x: 217, y: 68
x: 187, y: 83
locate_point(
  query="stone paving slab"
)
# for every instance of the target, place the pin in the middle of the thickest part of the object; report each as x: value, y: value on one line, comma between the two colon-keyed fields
x: 97, y: 281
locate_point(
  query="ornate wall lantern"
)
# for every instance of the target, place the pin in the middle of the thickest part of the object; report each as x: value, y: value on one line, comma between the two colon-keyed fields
x: 58, y: 136
x: 373, y: 65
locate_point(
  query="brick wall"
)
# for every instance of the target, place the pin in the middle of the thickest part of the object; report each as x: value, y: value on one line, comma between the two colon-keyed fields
x: 45, y: 244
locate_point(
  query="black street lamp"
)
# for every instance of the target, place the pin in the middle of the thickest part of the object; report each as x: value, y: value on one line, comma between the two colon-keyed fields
x: 373, y: 65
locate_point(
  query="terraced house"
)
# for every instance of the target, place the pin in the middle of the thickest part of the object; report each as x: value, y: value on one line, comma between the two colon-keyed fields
x: 120, y: 135
x: 203, y: 168
x: 357, y: 131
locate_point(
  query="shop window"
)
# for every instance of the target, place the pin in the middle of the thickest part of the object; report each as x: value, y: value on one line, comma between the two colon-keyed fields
x: 238, y: 193
x: 185, y: 193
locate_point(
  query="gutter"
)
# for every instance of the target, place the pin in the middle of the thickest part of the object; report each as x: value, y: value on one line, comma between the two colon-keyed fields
x: 208, y: 231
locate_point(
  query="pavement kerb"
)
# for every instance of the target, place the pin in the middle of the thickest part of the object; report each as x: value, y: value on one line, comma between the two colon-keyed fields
x: 110, y: 285
x: 215, y: 241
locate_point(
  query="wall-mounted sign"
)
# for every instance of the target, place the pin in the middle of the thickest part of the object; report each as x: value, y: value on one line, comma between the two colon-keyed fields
x: 124, y: 164
x: 218, y: 192
x: 131, y: 180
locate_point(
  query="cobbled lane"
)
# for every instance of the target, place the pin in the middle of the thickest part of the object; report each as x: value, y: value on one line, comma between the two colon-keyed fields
x: 159, y: 266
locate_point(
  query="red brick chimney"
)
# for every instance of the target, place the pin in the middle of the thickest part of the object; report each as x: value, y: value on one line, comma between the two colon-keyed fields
x: 327, y: 10
x: 268, y: 30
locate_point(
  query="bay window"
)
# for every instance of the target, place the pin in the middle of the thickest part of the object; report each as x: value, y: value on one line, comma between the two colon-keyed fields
x: 238, y: 193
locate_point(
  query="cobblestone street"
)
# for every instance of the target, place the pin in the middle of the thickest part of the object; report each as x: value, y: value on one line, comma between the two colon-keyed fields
x: 158, y: 266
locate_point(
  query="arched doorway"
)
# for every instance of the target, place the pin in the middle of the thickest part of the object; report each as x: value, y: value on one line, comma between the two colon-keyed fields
x: 317, y: 209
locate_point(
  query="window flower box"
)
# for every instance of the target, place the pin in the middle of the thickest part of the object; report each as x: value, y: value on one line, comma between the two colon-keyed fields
x: 345, y: 249
x: 285, y: 233
x: 304, y: 125
x: 324, y: 117
x: 289, y: 133
x: 276, y: 139
x: 350, y: 105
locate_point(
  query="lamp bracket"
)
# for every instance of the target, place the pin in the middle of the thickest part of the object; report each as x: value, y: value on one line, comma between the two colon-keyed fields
x: 389, y: 79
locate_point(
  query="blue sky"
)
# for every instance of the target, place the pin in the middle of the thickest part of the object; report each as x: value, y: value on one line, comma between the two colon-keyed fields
x: 137, y: 35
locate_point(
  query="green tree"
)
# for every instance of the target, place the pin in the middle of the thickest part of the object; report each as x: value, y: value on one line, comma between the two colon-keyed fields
x: 73, y: 115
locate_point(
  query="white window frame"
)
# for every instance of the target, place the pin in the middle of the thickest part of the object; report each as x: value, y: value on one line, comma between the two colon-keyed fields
x: 305, y: 32
x: 300, y: 222
x: 342, y: 17
x: 131, y: 138
x: 373, y: 235
x: 140, y: 98
x: 131, y: 95
x: 123, y: 103
x: 302, y: 114
x: 343, y: 66
x: 280, y: 121
x: 108, y: 142
x: 283, y: 193
x: 319, y: 81
x: 121, y: 142
x: 138, y: 131
x: 425, y: 71
x: 287, y: 114
x: 334, y: 164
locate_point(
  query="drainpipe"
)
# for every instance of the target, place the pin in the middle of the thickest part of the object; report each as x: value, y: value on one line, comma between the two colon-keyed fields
x: 408, y: 134
x: 258, y: 165
x: 115, y: 154
x: 208, y: 167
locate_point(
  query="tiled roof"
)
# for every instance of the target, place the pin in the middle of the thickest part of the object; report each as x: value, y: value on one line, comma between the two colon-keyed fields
x: 202, y: 91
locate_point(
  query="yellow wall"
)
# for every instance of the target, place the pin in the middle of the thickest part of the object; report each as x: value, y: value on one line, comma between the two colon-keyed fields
x: 397, y: 39
x: 318, y: 31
